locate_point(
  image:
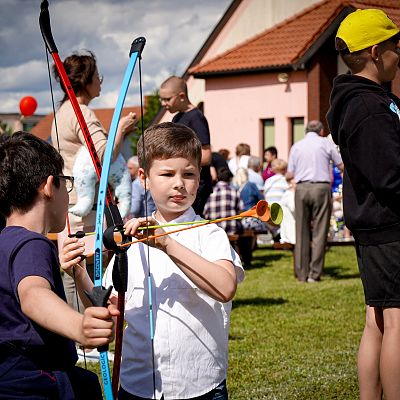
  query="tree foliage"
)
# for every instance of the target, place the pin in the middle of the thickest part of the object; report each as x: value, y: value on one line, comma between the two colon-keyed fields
x: 153, y: 106
x: 5, y: 129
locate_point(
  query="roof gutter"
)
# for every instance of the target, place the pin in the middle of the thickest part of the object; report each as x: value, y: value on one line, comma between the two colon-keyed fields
x: 244, y: 71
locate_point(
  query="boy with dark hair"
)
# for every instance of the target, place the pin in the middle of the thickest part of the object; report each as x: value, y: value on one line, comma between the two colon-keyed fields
x: 37, y: 352
x: 174, y: 97
x: 194, y: 274
x: 364, y: 122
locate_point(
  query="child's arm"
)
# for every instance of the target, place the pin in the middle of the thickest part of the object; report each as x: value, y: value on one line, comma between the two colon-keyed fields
x: 40, y: 304
x: 74, y: 266
x: 217, y: 279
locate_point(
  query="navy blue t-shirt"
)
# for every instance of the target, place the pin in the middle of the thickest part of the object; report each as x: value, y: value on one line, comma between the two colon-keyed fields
x: 195, y: 120
x: 24, y: 253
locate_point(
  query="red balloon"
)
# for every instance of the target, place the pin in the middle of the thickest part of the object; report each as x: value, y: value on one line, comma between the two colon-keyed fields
x: 28, y: 105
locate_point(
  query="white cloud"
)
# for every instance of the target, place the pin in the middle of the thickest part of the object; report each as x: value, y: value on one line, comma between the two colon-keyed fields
x: 32, y: 74
x: 174, y: 30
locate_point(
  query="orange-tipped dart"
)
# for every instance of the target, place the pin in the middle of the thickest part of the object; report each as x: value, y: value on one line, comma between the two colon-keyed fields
x: 262, y: 210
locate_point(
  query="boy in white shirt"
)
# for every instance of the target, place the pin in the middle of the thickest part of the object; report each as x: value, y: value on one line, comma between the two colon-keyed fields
x: 193, y: 274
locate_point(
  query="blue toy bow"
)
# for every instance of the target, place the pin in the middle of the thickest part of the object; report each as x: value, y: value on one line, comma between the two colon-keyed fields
x: 120, y: 270
x: 100, y: 295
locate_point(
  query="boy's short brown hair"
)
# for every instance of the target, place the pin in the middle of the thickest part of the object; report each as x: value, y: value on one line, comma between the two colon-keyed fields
x: 354, y: 61
x: 168, y: 140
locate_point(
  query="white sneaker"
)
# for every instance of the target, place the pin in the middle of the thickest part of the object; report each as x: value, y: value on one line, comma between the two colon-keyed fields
x: 92, y: 355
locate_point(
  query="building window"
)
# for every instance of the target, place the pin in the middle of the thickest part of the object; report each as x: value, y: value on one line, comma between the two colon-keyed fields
x: 297, y: 129
x: 268, y: 133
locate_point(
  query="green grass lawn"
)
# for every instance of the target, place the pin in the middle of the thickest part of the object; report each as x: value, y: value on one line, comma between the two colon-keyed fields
x: 291, y: 340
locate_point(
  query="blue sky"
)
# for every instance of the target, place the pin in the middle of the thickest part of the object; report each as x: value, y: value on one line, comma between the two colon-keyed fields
x: 174, y: 29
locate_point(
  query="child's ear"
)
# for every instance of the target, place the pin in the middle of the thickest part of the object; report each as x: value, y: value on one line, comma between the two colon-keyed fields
x: 47, y: 187
x: 375, y: 52
x: 142, y: 177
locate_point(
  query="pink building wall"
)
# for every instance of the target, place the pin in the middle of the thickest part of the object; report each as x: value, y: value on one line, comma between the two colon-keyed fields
x: 236, y: 105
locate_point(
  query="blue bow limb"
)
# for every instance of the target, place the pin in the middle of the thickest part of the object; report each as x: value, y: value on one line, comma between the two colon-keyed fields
x: 114, y: 221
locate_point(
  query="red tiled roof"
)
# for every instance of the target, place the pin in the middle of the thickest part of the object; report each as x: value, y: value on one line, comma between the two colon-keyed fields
x: 286, y: 43
x: 43, y: 128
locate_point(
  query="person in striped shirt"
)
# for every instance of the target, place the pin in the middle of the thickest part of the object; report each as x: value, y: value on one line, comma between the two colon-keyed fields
x: 276, y: 185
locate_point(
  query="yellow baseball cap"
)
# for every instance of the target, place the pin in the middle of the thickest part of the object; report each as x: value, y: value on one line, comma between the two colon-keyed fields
x: 364, y: 28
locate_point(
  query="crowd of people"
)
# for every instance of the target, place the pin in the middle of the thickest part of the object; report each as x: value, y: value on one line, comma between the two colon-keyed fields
x: 307, y: 189
x: 185, y: 298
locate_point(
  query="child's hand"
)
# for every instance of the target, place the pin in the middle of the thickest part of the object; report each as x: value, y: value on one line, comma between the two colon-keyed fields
x: 131, y: 229
x: 70, y: 256
x: 98, y: 326
x: 131, y: 226
x: 114, y: 300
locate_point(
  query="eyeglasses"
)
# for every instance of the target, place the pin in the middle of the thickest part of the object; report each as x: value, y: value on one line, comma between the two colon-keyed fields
x: 69, y: 181
x: 167, y: 99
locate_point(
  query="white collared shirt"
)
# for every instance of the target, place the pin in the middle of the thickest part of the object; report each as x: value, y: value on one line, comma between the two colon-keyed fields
x: 190, y: 328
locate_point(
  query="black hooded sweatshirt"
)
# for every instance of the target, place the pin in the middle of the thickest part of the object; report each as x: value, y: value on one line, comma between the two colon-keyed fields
x: 364, y: 120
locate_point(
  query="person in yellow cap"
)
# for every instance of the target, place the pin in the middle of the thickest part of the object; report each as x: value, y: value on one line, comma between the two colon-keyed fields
x: 364, y: 119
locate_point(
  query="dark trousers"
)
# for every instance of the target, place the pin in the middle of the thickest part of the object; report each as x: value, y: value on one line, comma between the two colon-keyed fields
x: 313, y: 205
x: 20, y: 378
x: 219, y: 393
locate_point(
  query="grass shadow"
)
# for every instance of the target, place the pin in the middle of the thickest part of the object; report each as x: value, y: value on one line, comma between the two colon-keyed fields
x: 235, y: 337
x: 336, y: 272
x: 266, y: 260
x: 258, y: 301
